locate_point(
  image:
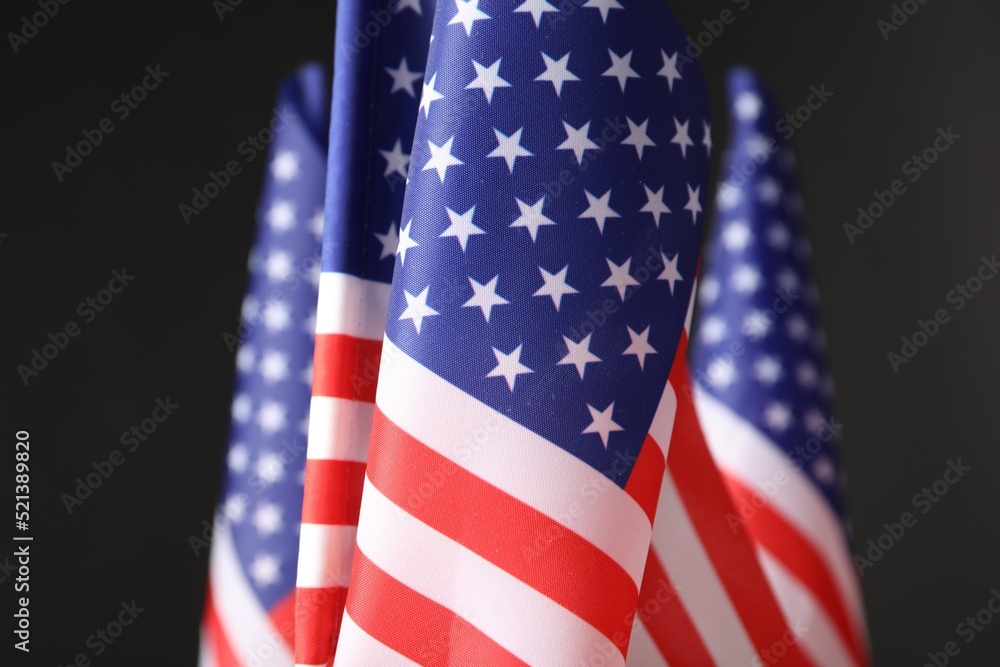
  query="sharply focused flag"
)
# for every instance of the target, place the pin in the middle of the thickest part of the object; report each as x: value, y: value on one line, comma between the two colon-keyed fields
x: 546, y: 258
x: 380, y: 51
x: 249, y: 611
x: 764, y: 396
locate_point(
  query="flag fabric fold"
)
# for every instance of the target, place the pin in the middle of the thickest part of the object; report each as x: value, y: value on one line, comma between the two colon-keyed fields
x: 545, y: 261
x: 248, y: 618
x: 763, y: 393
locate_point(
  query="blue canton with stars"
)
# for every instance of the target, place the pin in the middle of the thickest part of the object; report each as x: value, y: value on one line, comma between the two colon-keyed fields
x: 759, y: 346
x: 552, y: 222
x: 262, y: 498
x: 375, y: 94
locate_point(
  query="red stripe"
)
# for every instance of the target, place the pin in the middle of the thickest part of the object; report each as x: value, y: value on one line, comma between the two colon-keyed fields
x: 222, y: 652
x: 505, y: 531
x: 667, y: 621
x: 346, y: 367
x: 283, y: 617
x: 799, y: 557
x: 332, y: 494
x: 415, y: 626
x: 708, y: 504
x: 318, y: 612
x: 647, y: 477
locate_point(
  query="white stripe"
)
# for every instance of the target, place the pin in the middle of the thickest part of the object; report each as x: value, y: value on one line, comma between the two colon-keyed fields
x: 351, y: 306
x: 206, y: 650
x: 339, y: 429
x: 511, y: 457
x: 663, y: 420
x: 817, y: 633
x: 357, y: 648
x: 244, y: 621
x: 742, y: 451
x: 642, y: 652
x: 698, y: 586
x: 504, y: 608
x: 325, y: 555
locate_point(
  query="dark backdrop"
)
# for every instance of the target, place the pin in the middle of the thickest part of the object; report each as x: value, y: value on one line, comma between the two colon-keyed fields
x: 162, y: 336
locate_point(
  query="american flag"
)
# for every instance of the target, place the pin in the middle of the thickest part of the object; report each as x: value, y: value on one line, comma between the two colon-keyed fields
x: 764, y: 395
x: 381, y: 48
x: 546, y: 257
x: 249, y: 613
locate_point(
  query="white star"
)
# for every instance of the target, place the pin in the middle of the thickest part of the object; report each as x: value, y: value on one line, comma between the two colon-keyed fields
x: 620, y: 278
x: 682, y: 137
x: 278, y: 265
x: 461, y: 227
x: 727, y: 197
x: 271, y: 416
x: 316, y: 224
x: 713, y: 330
x: 389, y: 241
x: 745, y: 279
x: 429, y: 95
x: 509, y: 366
x: 706, y: 140
x: 669, y: 70
x: 536, y: 8
x: 721, y: 373
x: 307, y: 376
x: 599, y: 208
x: 441, y: 158
x: 756, y: 324
x: 242, y: 408
x: 769, y: 191
x: 557, y: 72
x: 767, y: 369
x: 777, y: 416
x: 577, y: 140
x: 798, y: 328
x: 484, y: 296
x: 396, y: 161
x: 655, y: 204
x: 264, y: 569
x: 405, y: 242
x: 411, y: 4
x: 638, y: 136
x: 532, y: 217
x: 736, y: 235
x: 747, y: 106
x: 509, y: 148
x: 694, y: 203
x: 285, y: 166
x: 403, y: 78
x: 778, y: 236
x: 814, y: 421
x: 276, y: 316
x: 824, y: 470
x: 274, y: 366
x: 281, y: 216
x: 238, y: 458
x: 555, y: 286
x: 467, y: 14
x: 246, y: 358
x: 267, y: 518
x: 603, y: 6
x: 640, y: 346
x: 579, y: 355
x: 806, y: 375
x: 269, y: 468
x: 709, y: 290
x: 621, y: 68
x: 670, y: 272
x: 234, y: 508
x: 602, y: 423
x: 788, y: 280
x: 488, y: 79
x: 417, y: 309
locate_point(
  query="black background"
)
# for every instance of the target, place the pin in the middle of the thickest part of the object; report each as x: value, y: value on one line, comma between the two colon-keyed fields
x: 163, y: 335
